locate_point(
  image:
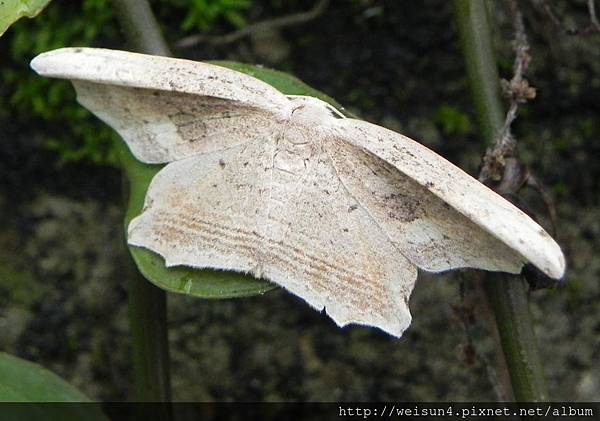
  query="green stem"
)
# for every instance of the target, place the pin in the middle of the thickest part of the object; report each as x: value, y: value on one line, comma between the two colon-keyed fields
x: 478, y: 48
x: 140, y: 27
x: 506, y: 294
x: 147, y: 303
x: 508, y: 298
x: 150, y: 348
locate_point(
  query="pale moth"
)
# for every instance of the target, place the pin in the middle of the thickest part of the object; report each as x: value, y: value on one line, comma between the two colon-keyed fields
x: 338, y: 211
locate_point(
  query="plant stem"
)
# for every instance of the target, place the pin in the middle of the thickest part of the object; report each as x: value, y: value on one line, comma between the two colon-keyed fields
x: 484, y: 81
x: 508, y: 298
x: 150, y: 348
x: 506, y: 293
x: 147, y: 303
x: 140, y: 27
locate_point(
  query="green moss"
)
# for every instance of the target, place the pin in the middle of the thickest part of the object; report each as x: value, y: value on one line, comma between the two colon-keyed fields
x: 203, y: 14
x: 452, y: 121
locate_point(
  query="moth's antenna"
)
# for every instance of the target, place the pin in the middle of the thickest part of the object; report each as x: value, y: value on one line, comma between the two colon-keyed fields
x: 331, y: 108
x: 335, y: 111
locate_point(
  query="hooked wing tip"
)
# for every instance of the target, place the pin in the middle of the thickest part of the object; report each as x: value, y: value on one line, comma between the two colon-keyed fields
x: 41, y: 63
x: 547, y: 255
x: 48, y: 63
x: 38, y: 63
x: 556, y: 268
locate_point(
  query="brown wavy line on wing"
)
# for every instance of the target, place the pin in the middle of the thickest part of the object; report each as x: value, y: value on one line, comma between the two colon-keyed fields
x: 319, y: 278
x: 194, y: 223
x: 219, y: 241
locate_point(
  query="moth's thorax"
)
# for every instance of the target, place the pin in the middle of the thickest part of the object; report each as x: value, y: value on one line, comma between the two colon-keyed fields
x: 309, y: 110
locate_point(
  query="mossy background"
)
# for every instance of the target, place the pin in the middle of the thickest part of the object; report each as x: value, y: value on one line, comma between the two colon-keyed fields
x: 62, y: 296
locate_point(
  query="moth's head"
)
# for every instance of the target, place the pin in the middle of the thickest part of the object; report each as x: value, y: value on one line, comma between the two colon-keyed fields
x: 311, y: 110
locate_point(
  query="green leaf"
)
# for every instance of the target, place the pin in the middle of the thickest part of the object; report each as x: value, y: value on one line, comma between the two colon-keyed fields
x: 284, y: 82
x: 186, y: 280
x: 24, y: 381
x: 13, y: 10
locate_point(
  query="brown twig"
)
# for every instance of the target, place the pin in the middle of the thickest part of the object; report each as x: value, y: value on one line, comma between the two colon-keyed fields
x: 276, y: 23
x: 518, y: 91
x: 500, y: 163
x: 536, y: 185
x: 593, y: 27
x: 547, y: 6
x: 592, y: 11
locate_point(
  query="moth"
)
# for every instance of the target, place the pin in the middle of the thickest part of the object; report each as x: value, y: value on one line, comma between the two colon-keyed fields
x: 338, y: 211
